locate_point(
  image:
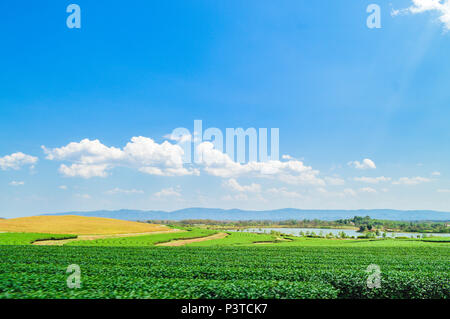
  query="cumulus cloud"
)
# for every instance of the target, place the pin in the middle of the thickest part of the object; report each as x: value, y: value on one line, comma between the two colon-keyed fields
x: 346, y: 192
x: 236, y: 197
x: 353, y: 193
x: 83, y: 196
x: 443, y: 191
x: 367, y: 190
x: 123, y: 191
x: 63, y: 187
x: 84, y: 170
x: 179, y: 138
x: 334, y: 181
x: 16, y: 161
x: 217, y: 163
x: 441, y: 7
x: 349, y: 191
x: 235, y: 186
x: 283, y: 192
x: 436, y: 174
x: 17, y: 183
x: 411, y: 180
x: 372, y: 180
x: 365, y: 164
x: 168, y: 192
x: 91, y: 158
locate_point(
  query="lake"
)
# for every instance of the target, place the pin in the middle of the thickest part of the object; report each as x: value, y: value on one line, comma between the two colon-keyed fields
x: 324, y: 231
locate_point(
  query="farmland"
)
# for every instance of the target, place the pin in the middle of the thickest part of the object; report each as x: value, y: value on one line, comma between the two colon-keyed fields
x: 29, y: 238
x: 225, y: 272
x: 77, y: 225
x: 222, y: 265
x: 147, y: 240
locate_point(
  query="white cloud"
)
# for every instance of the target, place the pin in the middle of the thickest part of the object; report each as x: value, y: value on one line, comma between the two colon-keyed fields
x: 83, y: 196
x: 395, y: 12
x: 287, y: 157
x: 335, y: 181
x: 168, y: 192
x: 91, y: 158
x: 354, y: 193
x: 367, y: 190
x: 365, y: 164
x: 181, y: 171
x: 283, y: 192
x: 446, y: 191
x: 411, y: 180
x: 436, y: 173
x: 372, y: 180
x: 235, y: 186
x: 236, y: 197
x: 123, y: 191
x: 86, y: 152
x: 441, y: 7
x: 146, y: 152
x: 349, y: 191
x: 16, y: 161
x: 84, y: 170
x: 220, y: 164
x: 17, y: 183
x: 63, y: 187
x: 180, y: 139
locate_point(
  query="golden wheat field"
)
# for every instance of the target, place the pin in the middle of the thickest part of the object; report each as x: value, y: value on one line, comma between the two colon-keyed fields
x: 77, y: 225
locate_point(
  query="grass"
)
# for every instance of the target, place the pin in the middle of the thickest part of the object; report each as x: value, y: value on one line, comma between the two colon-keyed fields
x: 29, y: 238
x: 236, y: 238
x: 146, y: 240
x: 233, y: 239
x: 78, y: 225
x: 253, y: 239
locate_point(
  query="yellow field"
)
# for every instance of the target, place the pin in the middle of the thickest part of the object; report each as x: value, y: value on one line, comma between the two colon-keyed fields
x: 76, y: 225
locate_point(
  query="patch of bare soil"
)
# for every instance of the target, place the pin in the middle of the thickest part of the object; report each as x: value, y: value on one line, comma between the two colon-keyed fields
x: 182, y: 242
x: 278, y: 239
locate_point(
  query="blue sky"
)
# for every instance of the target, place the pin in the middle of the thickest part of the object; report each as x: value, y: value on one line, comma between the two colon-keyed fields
x: 338, y: 91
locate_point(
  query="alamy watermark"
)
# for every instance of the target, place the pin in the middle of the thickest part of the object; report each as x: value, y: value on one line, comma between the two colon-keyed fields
x: 234, y: 139
x: 74, y: 280
x: 374, y: 19
x: 73, y: 21
x: 374, y: 278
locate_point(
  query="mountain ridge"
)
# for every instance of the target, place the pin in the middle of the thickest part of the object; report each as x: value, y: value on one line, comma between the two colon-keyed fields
x: 275, y: 214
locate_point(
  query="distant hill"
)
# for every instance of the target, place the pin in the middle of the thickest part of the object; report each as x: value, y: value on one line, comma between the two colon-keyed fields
x: 278, y: 214
x: 79, y: 225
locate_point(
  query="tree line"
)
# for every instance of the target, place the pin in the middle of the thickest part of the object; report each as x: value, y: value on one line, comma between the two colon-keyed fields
x: 363, y: 224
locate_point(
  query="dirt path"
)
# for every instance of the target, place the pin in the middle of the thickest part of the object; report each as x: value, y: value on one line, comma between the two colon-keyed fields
x: 94, y: 237
x: 182, y: 242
